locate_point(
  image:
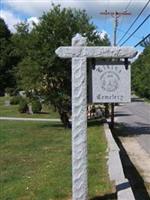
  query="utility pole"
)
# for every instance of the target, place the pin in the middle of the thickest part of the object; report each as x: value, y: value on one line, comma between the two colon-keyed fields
x: 116, y: 16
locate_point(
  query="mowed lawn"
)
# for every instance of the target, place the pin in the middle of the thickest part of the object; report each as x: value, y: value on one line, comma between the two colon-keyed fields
x: 12, y: 111
x: 35, y: 161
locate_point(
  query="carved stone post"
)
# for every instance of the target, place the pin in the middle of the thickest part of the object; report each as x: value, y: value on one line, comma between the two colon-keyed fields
x: 79, y: 52
x: 79, y: 124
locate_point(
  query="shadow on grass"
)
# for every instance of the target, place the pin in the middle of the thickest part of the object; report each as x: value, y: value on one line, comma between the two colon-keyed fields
x: 112, y: 196
x: 131, y: 173
x: 95, y: 122
x: 90, y: 123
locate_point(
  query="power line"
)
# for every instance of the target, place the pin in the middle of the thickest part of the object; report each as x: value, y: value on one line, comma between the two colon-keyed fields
x: 128, y: 5
x: 116, y: 16
x: 134, y: 21
x: 135, y: 30
x: 122, y: 31
x: 108, y: 2
x: 142, y: 40
x: 126, y: 9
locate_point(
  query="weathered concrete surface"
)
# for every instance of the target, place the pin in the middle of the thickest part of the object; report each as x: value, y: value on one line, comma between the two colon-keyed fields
x: 29, y: 119
x: 138, y: 156
x: 135, y: 137
x: 79, y: 129
x: 114, y: 162
x: 124, y: 191
x: 79, y: 41
x: 79, y: 116
x: 111, y: 83
x: 96, y: 52
x: 115, y: 166
x: 112, y: 146
x: 116, y: 173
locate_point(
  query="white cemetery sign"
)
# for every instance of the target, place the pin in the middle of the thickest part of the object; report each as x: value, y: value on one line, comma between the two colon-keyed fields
x: 79, y: 53
x: 111, y: 83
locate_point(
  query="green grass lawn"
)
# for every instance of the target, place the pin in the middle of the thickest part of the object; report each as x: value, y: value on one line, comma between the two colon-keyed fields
x: 12, y: 111
x: 35, y: 161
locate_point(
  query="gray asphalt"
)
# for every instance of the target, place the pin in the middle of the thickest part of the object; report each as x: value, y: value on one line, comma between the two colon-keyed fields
x: 135, y: 116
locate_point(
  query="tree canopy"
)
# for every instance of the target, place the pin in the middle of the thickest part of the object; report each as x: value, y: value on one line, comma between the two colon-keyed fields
x: 7, y: 59
x: 141, y: 73
x: 4, y: 31
x: 40, y: 68
x: 146, y: 42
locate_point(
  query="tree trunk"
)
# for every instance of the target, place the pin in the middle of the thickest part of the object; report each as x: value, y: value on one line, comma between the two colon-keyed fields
x: 65, y: 119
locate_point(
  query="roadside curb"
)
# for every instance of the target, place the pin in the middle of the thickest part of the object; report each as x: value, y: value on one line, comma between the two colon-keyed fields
x: 115, y: 168
x: 29, y: 119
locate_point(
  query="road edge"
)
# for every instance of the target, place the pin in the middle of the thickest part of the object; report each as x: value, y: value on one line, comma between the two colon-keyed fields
x: 115, y: 168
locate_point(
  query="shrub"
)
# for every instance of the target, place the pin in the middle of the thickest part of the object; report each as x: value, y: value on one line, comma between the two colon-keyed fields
x: 23, y: 106
x: 36, y: 106
x: 15, y: 100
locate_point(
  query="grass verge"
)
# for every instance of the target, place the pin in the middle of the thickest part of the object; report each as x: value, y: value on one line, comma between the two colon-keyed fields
x: 12, y: 111
x: 35, y: 161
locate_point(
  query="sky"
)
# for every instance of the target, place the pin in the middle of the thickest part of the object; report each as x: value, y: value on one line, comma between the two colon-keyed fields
x: 15, y: 11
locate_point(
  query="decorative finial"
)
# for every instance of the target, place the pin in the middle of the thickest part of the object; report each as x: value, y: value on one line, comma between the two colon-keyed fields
x: 78, y: 40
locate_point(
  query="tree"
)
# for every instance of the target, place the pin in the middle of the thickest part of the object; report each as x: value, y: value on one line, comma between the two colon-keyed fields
x: 21, y: 41
x: 146, y: 42
x: 4, y: 31
x: 24, y: 65
x: 56, y: 28
x: 7, y: 60
x: 141, y: 74
x: 26, y: 69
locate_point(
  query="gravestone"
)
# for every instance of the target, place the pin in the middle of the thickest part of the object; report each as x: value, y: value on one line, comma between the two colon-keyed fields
x: 30, y: 110
x: 79, y: 53
x: 7, y: 102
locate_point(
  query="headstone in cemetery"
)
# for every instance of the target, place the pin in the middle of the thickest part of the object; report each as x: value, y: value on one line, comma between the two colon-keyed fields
x: 79, y: 53
x: 7, y: 102
x: 30, y: 110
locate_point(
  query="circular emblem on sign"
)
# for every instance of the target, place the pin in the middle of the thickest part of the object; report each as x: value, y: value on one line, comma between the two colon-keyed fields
x: 110, y: 81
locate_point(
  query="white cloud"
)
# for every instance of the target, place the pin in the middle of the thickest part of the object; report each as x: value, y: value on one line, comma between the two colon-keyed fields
x: 93, y: 7
x: 10, y: 19
x: 103, y: 34
x: 32, y: 20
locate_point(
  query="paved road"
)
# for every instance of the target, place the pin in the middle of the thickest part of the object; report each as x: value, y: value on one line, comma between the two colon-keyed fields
x: 136, y: 118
